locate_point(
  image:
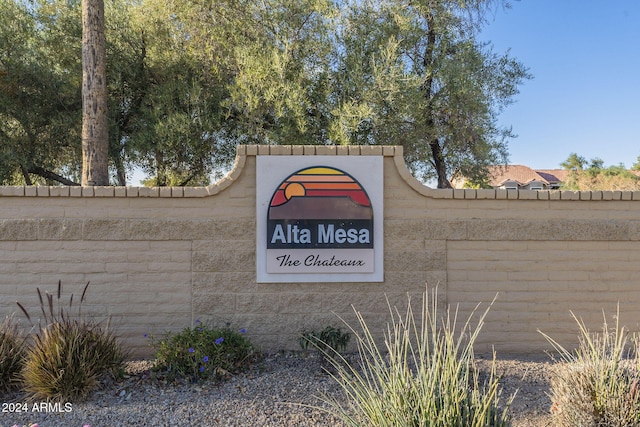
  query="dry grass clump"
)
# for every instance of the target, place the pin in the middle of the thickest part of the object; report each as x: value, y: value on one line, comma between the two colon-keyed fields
x: 69, y: 354
x: 424, y: 375
x: 12, y: 351
x: 68, y: 359
x: 598, y: 384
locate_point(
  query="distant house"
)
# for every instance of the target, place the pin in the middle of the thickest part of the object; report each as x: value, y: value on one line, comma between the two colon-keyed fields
x: 519, y: 177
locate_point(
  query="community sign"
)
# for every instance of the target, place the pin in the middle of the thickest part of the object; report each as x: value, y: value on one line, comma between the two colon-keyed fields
x: 319, y: 219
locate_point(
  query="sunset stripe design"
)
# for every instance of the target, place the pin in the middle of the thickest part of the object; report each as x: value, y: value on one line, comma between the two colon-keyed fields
x: 320, y: 182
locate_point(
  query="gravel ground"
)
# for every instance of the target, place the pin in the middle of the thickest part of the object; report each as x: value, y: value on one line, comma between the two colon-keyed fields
x: 279, y: 391
x: 527, y: 378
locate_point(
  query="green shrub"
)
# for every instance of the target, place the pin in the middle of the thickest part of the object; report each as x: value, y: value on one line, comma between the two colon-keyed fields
x: 329, y: 338
x: 69, y: 354
x: 598, y: 384
x: 201, y: 352
x: 12, y: 352
x: 424, y: 375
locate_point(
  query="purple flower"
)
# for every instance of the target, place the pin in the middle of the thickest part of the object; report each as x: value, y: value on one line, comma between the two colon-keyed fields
x: 201, y: 368
x: 145, y: 335
x: 243, y: 331
x: 205, y: 359
x: 191, y: 350
x: 197, y: 320
x: 219, y: 341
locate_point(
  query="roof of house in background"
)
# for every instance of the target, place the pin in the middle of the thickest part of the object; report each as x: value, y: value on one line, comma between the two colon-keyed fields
x: 524, y: 175
x: 553, y: 175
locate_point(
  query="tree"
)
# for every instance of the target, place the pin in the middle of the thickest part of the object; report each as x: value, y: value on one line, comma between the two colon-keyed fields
x: 426, y: 82
x: 228, y: 72
x: 189, y: 80
x: 595, y: 166
x: 41, y: 110
x: 95, y: 127
x: 168, y: 94
x: 277, y: 58
x: 152, y: 85
x: 39, y: 96
x: 574, y: 162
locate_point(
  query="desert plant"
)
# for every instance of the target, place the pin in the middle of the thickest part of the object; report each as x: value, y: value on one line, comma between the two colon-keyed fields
x: 202, y: 352
x: 329, y: 338
x: 424, y: 375
x: 12, y: 353
x: 70, y: 353
x: 597, y: 384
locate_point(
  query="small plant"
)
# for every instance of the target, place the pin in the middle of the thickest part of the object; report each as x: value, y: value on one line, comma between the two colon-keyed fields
x: 424, y: 375
x: 70, y: 354
x: 329, y: 338
x: 201, y: 352
x: 599, y: 384
x: 12, y: 353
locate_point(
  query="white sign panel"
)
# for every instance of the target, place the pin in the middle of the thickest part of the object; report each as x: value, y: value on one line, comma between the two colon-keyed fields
x: 319, y: 219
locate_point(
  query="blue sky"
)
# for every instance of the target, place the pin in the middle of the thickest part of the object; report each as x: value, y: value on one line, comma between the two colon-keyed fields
x: 585, y: 94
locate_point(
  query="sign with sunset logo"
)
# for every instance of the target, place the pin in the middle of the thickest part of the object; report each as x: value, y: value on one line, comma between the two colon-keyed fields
x: 319, y: 218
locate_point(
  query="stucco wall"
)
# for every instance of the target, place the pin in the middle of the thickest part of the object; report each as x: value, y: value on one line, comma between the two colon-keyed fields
x: 160, y: 258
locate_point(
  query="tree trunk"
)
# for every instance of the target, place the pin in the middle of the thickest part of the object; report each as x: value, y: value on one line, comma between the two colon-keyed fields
x: 95, y: 129
x: 428, y: 87
x: 25, y: 174
x: 121, y: 173
x: 439, y: 163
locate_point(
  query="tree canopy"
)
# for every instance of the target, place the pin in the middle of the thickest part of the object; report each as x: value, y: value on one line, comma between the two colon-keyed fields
x: 593, y: 175
x: 188, y: 80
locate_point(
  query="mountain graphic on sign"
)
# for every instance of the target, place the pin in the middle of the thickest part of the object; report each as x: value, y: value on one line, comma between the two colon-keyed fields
x: 320, y: 192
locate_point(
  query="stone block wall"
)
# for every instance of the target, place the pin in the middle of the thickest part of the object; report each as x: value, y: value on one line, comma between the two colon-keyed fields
x: 159, y: 259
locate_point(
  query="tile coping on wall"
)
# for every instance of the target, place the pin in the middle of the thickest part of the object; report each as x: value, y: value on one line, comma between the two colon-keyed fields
x: 244, y: 151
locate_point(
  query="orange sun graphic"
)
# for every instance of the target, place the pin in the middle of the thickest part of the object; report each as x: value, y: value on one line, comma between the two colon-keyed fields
x: 294, y: 189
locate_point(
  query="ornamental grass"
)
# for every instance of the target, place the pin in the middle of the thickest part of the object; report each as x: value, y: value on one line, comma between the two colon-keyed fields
x: 423, y: 375
x: 12, y: 351
x: 69, y: 354
x: 597, y: 385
